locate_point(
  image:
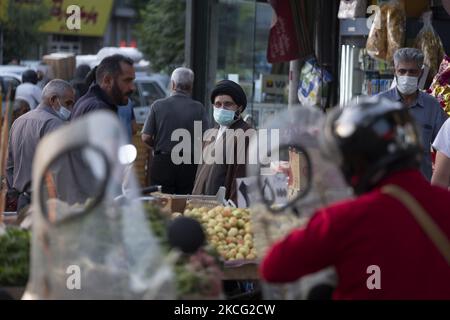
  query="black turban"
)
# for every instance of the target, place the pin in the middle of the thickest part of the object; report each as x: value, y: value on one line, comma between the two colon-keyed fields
x: 231, y: 89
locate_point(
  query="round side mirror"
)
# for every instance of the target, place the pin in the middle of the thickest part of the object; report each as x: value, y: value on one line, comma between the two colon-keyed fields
x: 286, y: 181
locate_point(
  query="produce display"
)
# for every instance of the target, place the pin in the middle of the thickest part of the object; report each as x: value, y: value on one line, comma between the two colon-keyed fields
x: 430, y: 44
x: 228, y: 229
x: 269, y: 228
x: 440, y: 88
x: 14, y: 257
x: 198, y: 275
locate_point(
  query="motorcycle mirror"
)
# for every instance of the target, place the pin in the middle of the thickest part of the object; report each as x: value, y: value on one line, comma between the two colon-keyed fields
x: 286, y: 181
x: 127, y: 154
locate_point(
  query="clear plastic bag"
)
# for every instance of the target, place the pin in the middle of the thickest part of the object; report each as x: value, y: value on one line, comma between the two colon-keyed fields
x: 349, y: 9
x: 387, y: 33
x: 396, y: 26
x: 91, y: 246
x: 297, y: 127
x: 377, y: 41
x: 430, y: 44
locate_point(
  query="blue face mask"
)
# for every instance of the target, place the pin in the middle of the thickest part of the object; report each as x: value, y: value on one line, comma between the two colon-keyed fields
x: 224, y: 117
x: 63, y: 112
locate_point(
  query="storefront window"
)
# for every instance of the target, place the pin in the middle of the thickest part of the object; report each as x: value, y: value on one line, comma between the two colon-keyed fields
x: 240, y: 33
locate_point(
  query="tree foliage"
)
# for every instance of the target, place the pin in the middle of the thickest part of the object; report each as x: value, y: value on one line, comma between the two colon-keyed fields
x: 20, y: 30
x: 162, y: 32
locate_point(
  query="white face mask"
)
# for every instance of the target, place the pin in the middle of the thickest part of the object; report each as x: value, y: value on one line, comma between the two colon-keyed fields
x: 407, y: 85
x: 63, y: 112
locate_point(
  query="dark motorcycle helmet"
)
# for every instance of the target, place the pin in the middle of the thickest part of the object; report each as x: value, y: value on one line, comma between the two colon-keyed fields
x: 370, y: 139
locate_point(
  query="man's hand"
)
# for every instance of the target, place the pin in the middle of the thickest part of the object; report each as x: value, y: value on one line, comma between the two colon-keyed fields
x: 147, y: 139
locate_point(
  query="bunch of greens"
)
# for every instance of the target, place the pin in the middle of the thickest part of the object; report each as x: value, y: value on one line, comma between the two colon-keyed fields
x: 14, y: 257
x: 197, y: 275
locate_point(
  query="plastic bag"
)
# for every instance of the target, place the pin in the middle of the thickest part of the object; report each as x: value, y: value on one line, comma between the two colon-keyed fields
x: 396, y: 26
x: 376, y: 45
x: 349, y: 9
x: 101, y: 248
x: 296, y: 127
x: 387, y: 33
x: 430, y: 44
x: 313, y: 82
x: 440, y: 88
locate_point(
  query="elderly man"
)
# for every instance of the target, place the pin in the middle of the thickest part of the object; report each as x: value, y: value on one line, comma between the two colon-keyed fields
x: 179, y: 111
x: 424, y: 108
x: 114, y: 84
x: 26, y: 132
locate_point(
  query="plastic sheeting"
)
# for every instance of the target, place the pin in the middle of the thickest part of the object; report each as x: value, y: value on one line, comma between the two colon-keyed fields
x: 93, y: 247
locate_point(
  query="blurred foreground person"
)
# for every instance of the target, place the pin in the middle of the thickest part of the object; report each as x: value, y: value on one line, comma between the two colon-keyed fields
x: 392, y: 241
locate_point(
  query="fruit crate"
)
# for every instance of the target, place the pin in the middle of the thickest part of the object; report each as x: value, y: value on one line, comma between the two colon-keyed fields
x: 241, y: 270
x: 172, y: 203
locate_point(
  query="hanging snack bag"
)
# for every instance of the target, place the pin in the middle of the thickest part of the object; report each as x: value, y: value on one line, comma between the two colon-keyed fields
x: 377, y: 41
x: 430, y: 44
x: 396, y: 26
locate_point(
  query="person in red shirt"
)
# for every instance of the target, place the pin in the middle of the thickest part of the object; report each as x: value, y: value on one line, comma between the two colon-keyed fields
x: 375, y: 242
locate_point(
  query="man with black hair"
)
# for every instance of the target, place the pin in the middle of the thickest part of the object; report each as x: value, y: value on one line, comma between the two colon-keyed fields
x: 114, y: 84
x: 28, y: 90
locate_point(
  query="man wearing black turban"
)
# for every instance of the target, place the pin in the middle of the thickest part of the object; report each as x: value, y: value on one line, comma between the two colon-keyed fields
x: 229, y: 101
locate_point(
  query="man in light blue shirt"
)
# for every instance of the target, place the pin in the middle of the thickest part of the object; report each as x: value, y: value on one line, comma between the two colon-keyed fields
x: 426, y: 110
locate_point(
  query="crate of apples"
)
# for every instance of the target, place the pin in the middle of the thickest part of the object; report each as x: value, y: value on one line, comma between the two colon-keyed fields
x: 228, y: 230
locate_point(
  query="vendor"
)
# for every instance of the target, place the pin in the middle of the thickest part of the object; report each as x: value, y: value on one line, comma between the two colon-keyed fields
x: 224, y: 151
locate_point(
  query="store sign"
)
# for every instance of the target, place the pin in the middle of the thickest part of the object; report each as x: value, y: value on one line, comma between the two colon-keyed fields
x: 78, y: 17
x: 283, y: 44
x: 274, y: 84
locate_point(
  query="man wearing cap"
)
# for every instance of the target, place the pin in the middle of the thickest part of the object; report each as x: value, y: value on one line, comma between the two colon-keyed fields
x: 222, y: 143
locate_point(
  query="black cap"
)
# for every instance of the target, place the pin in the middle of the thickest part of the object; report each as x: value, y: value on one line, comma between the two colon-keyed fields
x: 231, y: 89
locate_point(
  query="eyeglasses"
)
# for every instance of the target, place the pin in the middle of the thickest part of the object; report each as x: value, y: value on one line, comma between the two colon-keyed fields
x: 228, y: 105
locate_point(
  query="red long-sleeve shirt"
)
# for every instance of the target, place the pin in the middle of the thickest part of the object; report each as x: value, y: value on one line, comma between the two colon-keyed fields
x: 374, y: 229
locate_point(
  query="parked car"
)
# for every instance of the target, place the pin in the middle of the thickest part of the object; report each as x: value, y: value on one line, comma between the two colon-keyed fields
x: 8, y: 81
x: 148, y: 89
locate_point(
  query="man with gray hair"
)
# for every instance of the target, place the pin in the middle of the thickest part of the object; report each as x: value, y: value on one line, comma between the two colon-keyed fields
x: 179, y: 111
x: 426, y: 110
x: 54, y: 111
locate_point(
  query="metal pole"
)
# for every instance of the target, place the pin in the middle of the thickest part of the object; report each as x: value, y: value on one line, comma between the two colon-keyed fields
x: 294, y: 76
